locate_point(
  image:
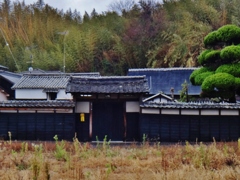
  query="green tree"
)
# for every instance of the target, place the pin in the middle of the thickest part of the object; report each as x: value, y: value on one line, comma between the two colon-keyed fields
x: 220, y: 74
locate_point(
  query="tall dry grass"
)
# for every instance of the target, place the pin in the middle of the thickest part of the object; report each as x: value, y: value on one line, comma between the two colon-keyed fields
x: 61, y: 160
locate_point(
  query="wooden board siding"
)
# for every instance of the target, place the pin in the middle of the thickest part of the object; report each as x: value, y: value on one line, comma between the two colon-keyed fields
x: 82, y: 128
x: 173, y: 128
x: 108, y: 120
x: 132, y: 133
x: 36, y: 126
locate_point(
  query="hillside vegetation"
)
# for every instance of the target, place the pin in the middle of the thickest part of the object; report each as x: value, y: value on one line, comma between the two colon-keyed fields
x: 128, y: 35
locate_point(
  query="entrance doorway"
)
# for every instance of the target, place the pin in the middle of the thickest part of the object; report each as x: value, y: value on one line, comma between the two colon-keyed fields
x: 108, y: 121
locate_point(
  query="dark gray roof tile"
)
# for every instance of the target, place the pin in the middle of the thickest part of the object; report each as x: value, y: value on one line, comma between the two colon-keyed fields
x: 163, y: 79
x: 41, y: 82
x: 197, y: 105
x: 108, y: 84
x: 37, y: 103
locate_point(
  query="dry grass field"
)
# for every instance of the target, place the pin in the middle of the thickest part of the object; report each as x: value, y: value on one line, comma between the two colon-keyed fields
x: 61, y: 160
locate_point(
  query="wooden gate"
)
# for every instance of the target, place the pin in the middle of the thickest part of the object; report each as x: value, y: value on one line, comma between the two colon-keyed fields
x: 108, y: 121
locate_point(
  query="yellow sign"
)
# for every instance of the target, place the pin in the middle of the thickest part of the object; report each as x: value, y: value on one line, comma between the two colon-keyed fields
x: 82, y: 117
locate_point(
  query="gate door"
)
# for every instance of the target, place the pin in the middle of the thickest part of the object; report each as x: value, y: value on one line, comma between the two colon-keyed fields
x: 108, y: 120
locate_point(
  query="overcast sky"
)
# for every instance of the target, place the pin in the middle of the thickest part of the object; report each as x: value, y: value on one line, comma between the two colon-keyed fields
x: 81, y: 5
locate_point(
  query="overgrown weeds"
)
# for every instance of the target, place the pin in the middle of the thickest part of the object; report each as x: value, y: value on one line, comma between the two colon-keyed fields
x: 77, y: 160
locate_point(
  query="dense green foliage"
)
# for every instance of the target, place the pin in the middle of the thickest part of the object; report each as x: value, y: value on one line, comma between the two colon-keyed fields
x: 138, y: 35
x: 219, y: 76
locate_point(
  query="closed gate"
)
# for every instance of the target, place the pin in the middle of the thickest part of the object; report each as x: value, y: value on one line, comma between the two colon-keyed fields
x: 108, y: 121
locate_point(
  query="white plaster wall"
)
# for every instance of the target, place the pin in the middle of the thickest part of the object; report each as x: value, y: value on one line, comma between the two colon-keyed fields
x: 229, y: 112
x: 30, y: 94
x: 170, y: 111
x: 132, y: 106
x: 3, y: 97
x: 150, y: 111
x: 189, y: 112
x: 209, y: 112
x: 82, y: 107
x: 63, y: 95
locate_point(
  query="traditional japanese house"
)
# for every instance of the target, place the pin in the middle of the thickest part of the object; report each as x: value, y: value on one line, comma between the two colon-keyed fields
x: 44, y: 86
x: 107, y: 106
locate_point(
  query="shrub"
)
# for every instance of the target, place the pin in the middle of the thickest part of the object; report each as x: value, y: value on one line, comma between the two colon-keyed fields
x: 201, y: 57
x: 196, y: 72
x: 211, y: 38
x: 219, y: 82
x: 211, y: 57
x: 233, y: 69
x: 230, y: 54
x: 201, y: 77
x: 229, y: 33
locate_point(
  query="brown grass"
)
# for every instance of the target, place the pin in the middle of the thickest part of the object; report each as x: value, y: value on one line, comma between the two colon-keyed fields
x: 62, y: 160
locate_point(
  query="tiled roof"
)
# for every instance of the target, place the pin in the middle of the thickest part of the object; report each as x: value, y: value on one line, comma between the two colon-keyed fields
x: 36, y: 103
x: 3, y: 68
x: 42, y: 82
x: 10, y: 76
x: 163, y: 79
x: 52, y: 73
x: 190, y: 105
x: 109, y: 84
x: 159, y: 95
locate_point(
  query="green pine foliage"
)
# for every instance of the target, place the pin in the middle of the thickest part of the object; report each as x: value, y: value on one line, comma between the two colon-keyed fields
x: 223, y: 58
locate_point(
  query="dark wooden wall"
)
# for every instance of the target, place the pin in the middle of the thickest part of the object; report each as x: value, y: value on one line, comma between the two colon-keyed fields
x: 175, y: 128
x: 82, y: 128
x: 37, y: 126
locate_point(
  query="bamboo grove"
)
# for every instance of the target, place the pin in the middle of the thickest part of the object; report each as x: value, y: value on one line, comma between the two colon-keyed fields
x: 146, y: 34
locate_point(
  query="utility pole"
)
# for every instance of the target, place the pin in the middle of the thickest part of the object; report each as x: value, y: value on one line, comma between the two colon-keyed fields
x: 64, y: 49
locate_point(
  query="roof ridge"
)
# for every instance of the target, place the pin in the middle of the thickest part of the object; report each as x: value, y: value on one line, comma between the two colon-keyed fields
x: 163, y: 69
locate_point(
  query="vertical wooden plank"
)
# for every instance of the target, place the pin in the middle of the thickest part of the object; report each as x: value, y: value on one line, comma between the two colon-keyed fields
x: 3, y: 126
x: 234, y: 128
x: 184, y: 128
x: 165, y: 129
x: 214, y: 128
x: 132, y: 127
x: 90, y: 121
x: 154, y: 134
x: 194, y: 128
x: 13, y: 128
x: 224, y: 128
x: 143, y: 125
x: 174, y: 128
x: 204, y: 131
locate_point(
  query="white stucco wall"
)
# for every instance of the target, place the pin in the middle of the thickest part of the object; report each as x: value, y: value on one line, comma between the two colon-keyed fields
x: 3, y: 97
x: 82, y: 107
x: 132, y: 106
x: 39, y: 94
x: 30, y: 94
x: 63, y: 95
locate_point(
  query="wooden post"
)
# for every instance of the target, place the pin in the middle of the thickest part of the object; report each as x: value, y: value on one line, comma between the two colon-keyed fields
x: 125, y: 122
x: 90, y: 122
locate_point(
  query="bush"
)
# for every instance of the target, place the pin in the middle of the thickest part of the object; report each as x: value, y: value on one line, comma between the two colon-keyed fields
x: 201, y: 77
x: 229, y: 33
x: 211, y: 39
x: 230, y: 54
x: 211, y: 57
x: 196, y: 72
x: 219, y: 82
x: 201, y: 57
x: 233, y: 69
